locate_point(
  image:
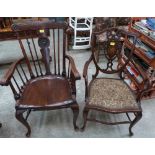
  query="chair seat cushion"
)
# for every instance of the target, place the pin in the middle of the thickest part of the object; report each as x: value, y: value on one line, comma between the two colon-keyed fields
x: 111, y: 94
x: 46, y: 91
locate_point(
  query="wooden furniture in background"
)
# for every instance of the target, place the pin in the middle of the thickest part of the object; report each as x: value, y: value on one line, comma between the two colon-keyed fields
x: 6, y: 32
x: 110, y: 95
x: 107, y: 22
x: 42, y: 86
x: 142, y: 62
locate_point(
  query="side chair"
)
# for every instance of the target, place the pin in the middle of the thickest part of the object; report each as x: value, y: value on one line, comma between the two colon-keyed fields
x: 110, y: 95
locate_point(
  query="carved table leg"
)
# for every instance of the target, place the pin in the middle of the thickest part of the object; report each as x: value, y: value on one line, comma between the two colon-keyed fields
x: 19, y: 117
x: 137, y: 118
x: 75, y: 110
x: 85, y: 114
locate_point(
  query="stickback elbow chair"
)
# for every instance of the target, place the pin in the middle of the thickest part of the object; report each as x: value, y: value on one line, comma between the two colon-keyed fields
x: 41, y: 85
x: 110, y: 95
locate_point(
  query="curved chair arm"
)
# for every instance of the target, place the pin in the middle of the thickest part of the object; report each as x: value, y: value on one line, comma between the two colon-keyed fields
x: 145, y: 83
x: 73, y: 68
x: 6, y: 78
x: 144, y: 76
x: 143, y: 92
x: 148, y: 87
x: 85, y: 76
x: 86, y: 66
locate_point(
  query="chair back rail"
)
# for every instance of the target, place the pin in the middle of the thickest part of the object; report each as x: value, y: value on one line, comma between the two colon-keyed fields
x: 49, y: 48
x: 112, y: 46
x: 44, y: 54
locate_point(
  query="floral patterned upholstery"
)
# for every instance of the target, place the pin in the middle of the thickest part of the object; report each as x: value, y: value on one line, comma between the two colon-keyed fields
x: 111, y: 94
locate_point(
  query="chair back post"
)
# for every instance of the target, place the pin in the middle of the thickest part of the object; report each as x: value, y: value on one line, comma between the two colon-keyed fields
x: 44, y: 43
x: 64, y: 52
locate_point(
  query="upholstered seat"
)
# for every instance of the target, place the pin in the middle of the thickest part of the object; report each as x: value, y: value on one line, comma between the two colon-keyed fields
x: 45, y: 92
x: 111, y: 94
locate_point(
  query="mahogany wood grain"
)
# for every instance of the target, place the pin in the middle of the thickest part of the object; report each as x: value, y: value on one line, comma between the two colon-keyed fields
x: 43, y: 85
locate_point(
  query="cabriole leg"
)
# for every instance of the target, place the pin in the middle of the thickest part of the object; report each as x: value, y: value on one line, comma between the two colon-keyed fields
x: 137, y: 118
x: 75, y: 110
x: 20, y: 118
x: 85, y: 114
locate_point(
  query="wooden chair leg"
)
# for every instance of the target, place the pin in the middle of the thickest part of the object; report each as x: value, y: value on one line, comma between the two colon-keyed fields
x: 137, y: 118
x: 20, y: 118
x: 75, y: 110
x: 85, y: 114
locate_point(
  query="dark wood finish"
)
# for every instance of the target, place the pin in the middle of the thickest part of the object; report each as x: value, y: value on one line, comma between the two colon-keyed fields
x: 149, y: 41
x: 108, y: 22
x: 43, y: 85
x: 113, y: 50
x: 10, y: 35
x: 139, y: 52
x: 6, y: 32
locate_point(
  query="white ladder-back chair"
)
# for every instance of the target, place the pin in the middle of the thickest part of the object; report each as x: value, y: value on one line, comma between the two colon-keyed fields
x: 82, y: 27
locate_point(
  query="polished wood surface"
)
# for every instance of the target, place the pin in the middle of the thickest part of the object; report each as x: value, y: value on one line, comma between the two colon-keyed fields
x: 42, y: 85
x: 47, y: 91
x: 6, y: 32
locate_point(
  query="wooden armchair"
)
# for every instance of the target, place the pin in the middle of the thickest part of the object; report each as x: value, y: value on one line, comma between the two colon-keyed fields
x: 42, y: 85
x: 110, y: 95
